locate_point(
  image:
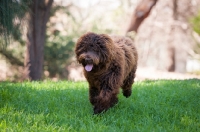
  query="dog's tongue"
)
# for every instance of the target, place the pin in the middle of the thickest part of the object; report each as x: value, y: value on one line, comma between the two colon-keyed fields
x: 88, y: 67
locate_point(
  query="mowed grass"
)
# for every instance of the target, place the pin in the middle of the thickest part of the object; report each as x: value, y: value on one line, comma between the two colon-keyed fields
x: 157, y: 106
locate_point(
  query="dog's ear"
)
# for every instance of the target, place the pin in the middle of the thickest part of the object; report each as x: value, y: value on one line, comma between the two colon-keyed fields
x: 106, y: 38
x: 109, y: 44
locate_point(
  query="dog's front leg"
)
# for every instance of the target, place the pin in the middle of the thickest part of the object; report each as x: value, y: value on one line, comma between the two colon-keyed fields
x: 102, y: 101
x: 106, y: 99
x: 93, y: 93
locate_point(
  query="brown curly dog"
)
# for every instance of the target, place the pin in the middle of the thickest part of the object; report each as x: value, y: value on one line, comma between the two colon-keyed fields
x: 109, y: 62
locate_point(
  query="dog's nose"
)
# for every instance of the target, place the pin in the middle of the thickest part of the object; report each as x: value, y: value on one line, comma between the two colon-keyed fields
x: 88, y: 60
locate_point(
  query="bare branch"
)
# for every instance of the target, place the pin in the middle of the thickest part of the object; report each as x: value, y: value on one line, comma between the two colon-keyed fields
x: 141, y: 12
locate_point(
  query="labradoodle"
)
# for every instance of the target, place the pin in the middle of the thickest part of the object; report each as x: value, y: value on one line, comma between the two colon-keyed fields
x: 109, y: 62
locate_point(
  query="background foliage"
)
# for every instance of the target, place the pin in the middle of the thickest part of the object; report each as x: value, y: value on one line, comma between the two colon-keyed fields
x: 196, y: 27
x: 12, y: 13
x: 196, y: 23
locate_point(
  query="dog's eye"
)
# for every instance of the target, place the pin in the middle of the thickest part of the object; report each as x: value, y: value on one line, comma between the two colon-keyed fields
x: 101, y: 46
x: 91, y: 45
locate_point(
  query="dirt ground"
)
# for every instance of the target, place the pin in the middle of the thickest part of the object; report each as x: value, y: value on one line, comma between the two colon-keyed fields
x: 148, y: 73
x: 142, y: 73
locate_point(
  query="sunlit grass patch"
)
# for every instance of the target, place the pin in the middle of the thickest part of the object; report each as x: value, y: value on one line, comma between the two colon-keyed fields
x: 161, y: 105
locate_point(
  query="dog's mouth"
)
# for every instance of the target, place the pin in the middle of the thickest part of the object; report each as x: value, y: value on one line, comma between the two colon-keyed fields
x: 89, y: 67
x: 89, y: 60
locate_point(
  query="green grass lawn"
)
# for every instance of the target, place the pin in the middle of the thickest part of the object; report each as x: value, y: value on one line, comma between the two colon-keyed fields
x: 157, y: 106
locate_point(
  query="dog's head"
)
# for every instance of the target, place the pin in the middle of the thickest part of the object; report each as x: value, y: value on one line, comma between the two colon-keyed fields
x: 93, y: 50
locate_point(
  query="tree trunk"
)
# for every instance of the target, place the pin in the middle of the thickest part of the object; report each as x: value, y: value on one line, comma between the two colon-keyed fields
x: 39, y: 15
x: 171, y: 49
x: 141, y: 12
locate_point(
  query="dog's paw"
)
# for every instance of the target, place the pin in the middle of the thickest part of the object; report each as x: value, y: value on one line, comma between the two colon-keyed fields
x: 98, y: 110
x: 127, y: 93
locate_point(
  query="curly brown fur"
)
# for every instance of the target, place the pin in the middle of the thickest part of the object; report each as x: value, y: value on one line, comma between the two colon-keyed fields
x: 109, y: 62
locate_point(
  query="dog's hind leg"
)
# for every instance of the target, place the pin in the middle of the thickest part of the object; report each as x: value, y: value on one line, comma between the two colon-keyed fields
x: 127, y: 84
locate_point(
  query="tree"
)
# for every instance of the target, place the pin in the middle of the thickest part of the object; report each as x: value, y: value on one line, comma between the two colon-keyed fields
x: 141, y: 12
x: 165, y: 38
x: 39, y: 16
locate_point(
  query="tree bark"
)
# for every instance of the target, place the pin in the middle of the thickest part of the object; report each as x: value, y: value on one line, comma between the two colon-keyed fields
x: 141, y: 12
x: 39, y: 16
